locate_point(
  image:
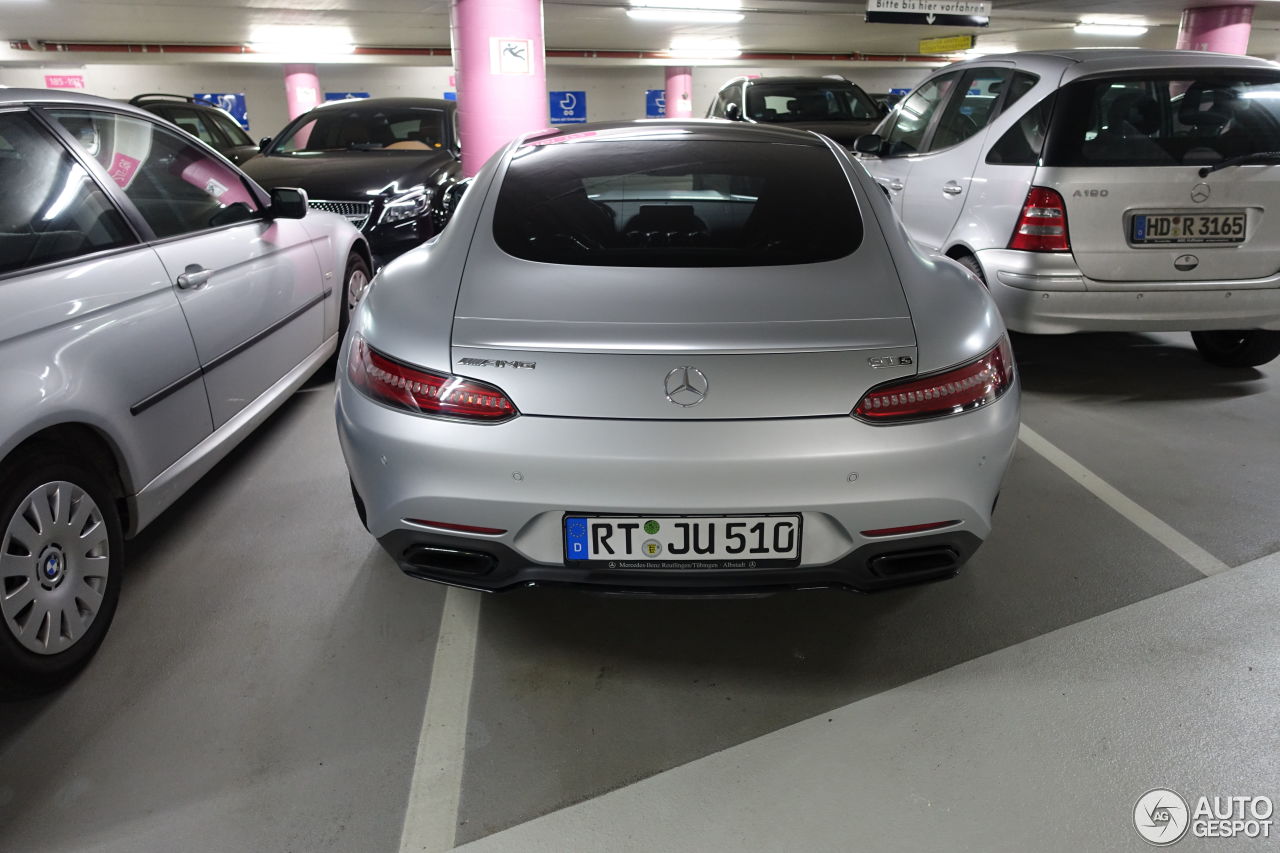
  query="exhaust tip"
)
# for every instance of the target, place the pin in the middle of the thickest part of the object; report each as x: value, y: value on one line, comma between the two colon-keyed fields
x: 428, y: 562
x: 918, y: 562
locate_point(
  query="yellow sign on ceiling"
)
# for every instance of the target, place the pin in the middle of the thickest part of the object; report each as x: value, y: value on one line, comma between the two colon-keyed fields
x: 946, y: 44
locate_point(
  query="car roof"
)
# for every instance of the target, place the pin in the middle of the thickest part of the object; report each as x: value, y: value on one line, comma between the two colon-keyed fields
x: 390, y: 103
x: 62, y: 97
x: 1086, y: 62
x: 689, y: 130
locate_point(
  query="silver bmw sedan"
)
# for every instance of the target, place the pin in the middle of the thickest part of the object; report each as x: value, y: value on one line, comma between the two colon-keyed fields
x: 677, y: 357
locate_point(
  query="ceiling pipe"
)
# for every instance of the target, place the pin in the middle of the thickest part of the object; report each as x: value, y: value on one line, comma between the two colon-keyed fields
x: 223, y: 49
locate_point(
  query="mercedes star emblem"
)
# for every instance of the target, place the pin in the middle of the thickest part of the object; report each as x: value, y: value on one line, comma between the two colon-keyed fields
x: 1200, y: 193
x: 686, y: 386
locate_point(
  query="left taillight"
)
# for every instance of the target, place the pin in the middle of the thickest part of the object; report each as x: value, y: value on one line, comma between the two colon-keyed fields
x: 424, y: 392
x: 961, y: 389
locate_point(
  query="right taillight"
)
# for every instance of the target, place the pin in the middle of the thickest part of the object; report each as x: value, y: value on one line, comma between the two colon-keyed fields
x: 424, y: 392
x: 1042, y: 224
x: 961, y: 389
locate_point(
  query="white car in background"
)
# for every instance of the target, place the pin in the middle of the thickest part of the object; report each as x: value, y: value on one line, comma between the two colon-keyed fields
x: 1097, y: 190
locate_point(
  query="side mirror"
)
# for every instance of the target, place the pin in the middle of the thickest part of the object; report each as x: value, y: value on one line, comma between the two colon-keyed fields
x: 733, y: 112
x: 264, y: 143
x: 868, y: 143
x: 287, y: 203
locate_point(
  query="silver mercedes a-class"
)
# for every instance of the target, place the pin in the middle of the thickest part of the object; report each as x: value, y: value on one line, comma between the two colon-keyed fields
x: 677, y: 357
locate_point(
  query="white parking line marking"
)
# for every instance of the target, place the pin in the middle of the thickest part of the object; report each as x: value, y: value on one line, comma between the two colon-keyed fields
x: 431, y: 819
x: 1109, y: 495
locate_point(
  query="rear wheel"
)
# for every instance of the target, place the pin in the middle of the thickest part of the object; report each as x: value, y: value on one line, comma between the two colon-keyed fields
x: 970, y: 263
x: 61, y: 550
x: 1238, y: 348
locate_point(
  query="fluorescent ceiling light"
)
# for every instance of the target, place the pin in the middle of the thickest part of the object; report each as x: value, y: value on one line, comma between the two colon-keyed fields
x: 1085, y: 28
x: 301, y: 40
x: 685, y: 16
x: 702, y: 48
x: 722, y: 5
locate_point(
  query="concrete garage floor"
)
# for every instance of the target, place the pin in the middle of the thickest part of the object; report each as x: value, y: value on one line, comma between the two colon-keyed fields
x: 264, y: 685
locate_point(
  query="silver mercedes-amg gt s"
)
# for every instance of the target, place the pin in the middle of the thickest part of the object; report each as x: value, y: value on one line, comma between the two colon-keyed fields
x: 676, y: 356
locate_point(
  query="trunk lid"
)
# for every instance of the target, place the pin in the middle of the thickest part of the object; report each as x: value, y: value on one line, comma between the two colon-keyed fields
x: 615, y: 342
x: 1105, y: 206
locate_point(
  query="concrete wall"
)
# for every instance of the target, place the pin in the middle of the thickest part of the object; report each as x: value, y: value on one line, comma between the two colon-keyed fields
x: 612, y: 92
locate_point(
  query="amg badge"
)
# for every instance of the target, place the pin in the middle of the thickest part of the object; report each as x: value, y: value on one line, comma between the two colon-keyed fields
x: 498, y: 362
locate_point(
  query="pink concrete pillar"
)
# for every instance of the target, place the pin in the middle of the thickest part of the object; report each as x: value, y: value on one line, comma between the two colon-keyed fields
x: 1218, y: 29
x: 679, y: 92
x: 502, y: 74
x: 301, y: 89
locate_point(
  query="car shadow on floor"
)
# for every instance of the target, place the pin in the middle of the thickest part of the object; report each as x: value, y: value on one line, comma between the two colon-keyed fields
x: 1127, y: 366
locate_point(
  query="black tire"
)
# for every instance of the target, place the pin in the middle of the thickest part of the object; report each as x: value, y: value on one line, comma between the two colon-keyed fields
x: 23, y: 671
x: 1238, y: 348
x: 356, y: 267
x: 970, y: 263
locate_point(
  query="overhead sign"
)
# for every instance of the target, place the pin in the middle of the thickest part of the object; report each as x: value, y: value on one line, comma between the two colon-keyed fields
x: 568, y: 107
x: 948, y: 13
x: 232, y: 102
x: 344, y: 96
x: 655, y: 103
x: 946, y: 44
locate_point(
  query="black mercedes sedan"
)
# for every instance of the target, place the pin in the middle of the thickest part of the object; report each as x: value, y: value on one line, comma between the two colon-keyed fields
x: 386, y: 164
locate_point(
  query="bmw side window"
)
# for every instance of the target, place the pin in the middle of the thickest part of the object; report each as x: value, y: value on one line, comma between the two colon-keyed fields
x: 233, y: 132
x: 176, y: 187
x: 914, y: 116
x: 193, y: 123
x: 972, y: 108
x: 1021, y: 144
x: 50, y: 209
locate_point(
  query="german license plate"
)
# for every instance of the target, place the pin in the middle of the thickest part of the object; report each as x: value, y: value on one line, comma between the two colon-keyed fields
x: 682, y: 542
x: 1217, y: 227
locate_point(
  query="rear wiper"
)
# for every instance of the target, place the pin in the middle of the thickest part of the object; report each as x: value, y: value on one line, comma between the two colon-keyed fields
x: 1255, y: 157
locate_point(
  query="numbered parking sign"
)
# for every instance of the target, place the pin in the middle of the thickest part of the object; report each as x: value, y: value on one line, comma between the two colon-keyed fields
x: 568, y: 107
x: 655, y: 103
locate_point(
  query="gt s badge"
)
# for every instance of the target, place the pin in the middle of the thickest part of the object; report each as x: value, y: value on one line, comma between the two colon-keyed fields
x: 491, y: 362
x: 889, y: 360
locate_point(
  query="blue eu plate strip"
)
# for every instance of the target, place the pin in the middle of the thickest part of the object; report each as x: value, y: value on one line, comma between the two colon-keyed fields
x: 1139, y: 228
x: 575, y: 538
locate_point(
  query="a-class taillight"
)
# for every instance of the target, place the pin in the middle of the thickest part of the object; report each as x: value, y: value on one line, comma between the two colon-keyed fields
x: 424, y: 392
x: 961, y: 389
x: 1042, y: 224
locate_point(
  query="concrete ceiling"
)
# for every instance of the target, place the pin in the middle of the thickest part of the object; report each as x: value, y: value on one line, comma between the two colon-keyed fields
x: 826, y: 26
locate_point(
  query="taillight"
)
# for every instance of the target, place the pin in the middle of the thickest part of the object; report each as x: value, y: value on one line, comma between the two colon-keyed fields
x: 424, y: 392
x: 1042, y: 224
x: 961, y: 389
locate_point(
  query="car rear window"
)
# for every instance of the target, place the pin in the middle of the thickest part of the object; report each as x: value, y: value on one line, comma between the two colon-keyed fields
x: 667, y: 203
x: 1167, y: 119
x: 365, y: 128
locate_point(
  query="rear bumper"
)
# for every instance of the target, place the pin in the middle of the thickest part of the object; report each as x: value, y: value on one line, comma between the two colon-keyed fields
x: 494, y: 567
x: 521, y: 477
x: 1044, y: 293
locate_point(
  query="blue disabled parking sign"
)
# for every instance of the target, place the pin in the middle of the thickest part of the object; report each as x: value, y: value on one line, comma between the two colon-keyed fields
x: 568, y: 107
x: 655, y: 103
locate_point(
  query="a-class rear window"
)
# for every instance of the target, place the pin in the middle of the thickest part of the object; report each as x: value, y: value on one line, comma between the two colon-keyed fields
x: 669, y: 203
x: 1176, y: 118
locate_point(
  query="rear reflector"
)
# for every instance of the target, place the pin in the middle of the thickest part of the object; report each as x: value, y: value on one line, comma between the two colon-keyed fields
x: 1042, y: 224
x: 910, y: 528
x: 960, y: 389
x: 424, y: 392
x: 461, y: 528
